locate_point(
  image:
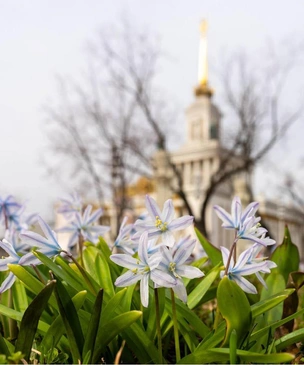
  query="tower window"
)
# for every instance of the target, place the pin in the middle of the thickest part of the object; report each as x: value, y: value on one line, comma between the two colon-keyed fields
x: 213, y: 131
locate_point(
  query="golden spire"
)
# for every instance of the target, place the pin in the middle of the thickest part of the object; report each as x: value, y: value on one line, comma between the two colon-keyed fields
x: 203, y: 88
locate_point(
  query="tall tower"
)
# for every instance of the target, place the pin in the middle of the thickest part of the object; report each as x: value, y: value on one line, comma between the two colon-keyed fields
x: 203, y: 88
x: 203, y: 117
x: 198, y: 158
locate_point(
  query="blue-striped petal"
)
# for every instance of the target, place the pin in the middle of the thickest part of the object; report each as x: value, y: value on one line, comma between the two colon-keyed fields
x: 152, y: 207
x: 144, y: 290
x: 125, y: 260
x: 180, y: 223
x: 224, y: 216
x: 128, y: 278
x: 8, y: 282
x: 168, y: 211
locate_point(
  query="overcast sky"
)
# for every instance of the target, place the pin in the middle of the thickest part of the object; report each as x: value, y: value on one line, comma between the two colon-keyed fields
x: 40, y: 39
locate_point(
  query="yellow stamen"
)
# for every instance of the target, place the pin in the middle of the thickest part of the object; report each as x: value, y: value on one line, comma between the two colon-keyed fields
x: 172, y: 266
x: 163, y: 226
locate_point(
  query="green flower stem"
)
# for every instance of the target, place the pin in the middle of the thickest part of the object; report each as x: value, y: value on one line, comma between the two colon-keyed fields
x: 175, y: 325
x: 159, y: 336
x: 38, y: 274
x: 217, y: 318
x: 82, y: 271
x: 13, y: 329
x: 80, y: 247
x: 233, y: 347
x: 232, y: 252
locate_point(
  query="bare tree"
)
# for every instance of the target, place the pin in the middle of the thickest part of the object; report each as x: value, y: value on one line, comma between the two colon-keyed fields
x: 114, y: 124
x: 254, y: 96
x: 109, y: 125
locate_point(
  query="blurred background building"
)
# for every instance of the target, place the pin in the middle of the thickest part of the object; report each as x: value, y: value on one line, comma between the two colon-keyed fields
x: 188, y: 174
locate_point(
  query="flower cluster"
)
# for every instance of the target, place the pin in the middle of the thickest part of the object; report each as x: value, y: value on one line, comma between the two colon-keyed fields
x: 246, y: 226
x: 14, y: 221
x: 20, y: 237
x: 160, y: 258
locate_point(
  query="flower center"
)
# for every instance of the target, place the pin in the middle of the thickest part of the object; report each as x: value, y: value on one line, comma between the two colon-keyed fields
x: 172, y: 267
x: 163, y: 226
x: 254, y: 229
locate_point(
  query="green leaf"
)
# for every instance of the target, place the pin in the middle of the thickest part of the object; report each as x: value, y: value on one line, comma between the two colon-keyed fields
x: 258, y: 334
x: 266, y: 304
x: 233, y: 347
x: 83, y: 275
x: 106, y: 252
x: 183, y: 312
x: 29, y: 323
x: 114, y: 327
x: 234, y: 307
x: 56, y: 330
x: 286, y: 256
x: 19, y: 296
x: 291, y: 338
x: 275, y: 284
x: 17, y: 316
x: 91, y: 334
x: 71, y: 321
x: 222, y: 355
x: 201, y: 289
x: 3, y: 347
x: 212, y: 252
x: 213, y: 339
x: 33, y: 284
x: 104, y: 275
x: 66, y: 274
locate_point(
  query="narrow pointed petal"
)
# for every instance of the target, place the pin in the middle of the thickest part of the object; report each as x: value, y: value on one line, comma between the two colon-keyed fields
x: 47, y: 231
x: 224, y: 216
x: 34, y: 239
x: 261, y: 241
x: 152, y: 207
x: 29, y: 259
x: 243, y: 259
x: 252, y: 269
x: 261, y: 280
x: 144, y: 290
x: 244, y: 284
x: 144, y: 225
x: 125, y: 260
x: 225, y: 256
x: 184, y: 251
x: 143, y: 248
x: 154, y: 260
x: 250, y: 210
x: 168, y: 211
x: 87, y: 212
x: 167, y: 255
x: 168, y: 238
x: 180, y: 223
x: 73, y: 239
x: 127, y: 279
x: 8, y: 248
x: 5, y: 262
x: 94, y: 217
x: 181, y: 291
x: 8, y: 282
x: 189, y: 272
x: 162, y: 278
x: 236, y: 211
x: 123, y: 223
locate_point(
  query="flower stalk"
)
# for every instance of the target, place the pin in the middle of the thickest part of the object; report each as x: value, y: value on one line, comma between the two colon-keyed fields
x: 158, y: 328
x: 175, y: 326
